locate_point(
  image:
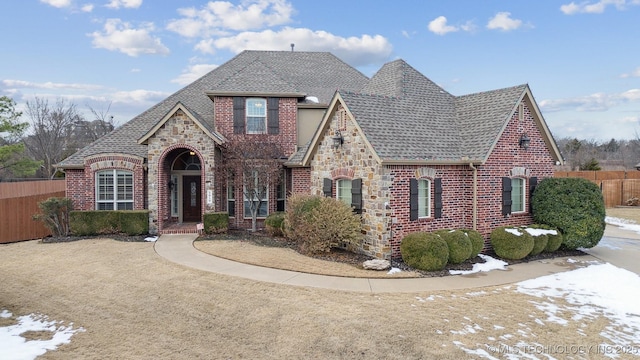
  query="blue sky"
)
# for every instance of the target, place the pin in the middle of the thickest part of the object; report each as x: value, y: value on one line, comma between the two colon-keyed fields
x: 581, y: 58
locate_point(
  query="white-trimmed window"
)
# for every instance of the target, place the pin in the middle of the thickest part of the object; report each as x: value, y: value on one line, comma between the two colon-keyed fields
x: 174, y: 196
x: 424, y: 198
x: 114, y: 190
x: 231, y: 197
x: 517, y: 195
x: 259, y: 189
x: 343, y: 191
x: 256, y: 116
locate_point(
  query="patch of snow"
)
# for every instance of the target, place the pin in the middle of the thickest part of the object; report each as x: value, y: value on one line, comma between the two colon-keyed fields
x: 477, y: 293
x: 489, y: 264
x: 513, y: 231
x: 624, y: 224
x: 538, y: 232
x: 151, y: 238
x: 393, y: 270
x: 606, y: 243
x: 15, y: 347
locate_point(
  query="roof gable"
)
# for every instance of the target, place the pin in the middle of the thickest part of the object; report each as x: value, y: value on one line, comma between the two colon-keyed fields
x: 199, y: 122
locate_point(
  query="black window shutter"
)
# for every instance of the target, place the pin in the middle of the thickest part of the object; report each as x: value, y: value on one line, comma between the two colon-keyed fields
x: 506, y: 196
x: 437, y: 198
x: 327, y: 187
x: 413, y: 199
x: 533, y: 182
x: 238, y: 115
x: 273, y: 117
x: 356, y: 195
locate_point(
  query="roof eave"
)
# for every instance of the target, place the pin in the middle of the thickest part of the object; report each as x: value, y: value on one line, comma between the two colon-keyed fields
x: 213, y: 94
x: 431, y: 162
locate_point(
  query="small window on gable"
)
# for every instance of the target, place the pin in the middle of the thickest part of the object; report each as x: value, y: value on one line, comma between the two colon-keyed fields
x: 256, y: 116
x: 343, y: 191
x: 517, y: 195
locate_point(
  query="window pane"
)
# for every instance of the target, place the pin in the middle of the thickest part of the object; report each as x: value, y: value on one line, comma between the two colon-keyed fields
x: 424, y: 198
x: 517, y: 195
x: 262, y: 210
x: 125, y: 206
x: 256, y: 116
x: 343, y: 189
x: 105, y: 206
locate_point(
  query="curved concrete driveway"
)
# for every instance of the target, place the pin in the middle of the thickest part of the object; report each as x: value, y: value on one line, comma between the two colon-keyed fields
x: 619, y: 247
x: 180, y: 249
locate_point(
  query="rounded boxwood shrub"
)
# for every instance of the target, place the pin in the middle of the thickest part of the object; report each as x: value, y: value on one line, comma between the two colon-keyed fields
x: 477, y: 241
x: 274, y: 224
x: 572, y: 205
x: 554, y: 237
x: 540, y: 240
x: 424, y: 251
x: 459, y: 245
x: 511, y: 242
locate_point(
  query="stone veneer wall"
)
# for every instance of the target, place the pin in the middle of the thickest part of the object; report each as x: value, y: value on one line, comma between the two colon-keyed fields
x: 81, y: 183
x: 179, y: 132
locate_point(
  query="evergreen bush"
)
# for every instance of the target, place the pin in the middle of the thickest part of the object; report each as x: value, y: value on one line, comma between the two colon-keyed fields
x: 540, y: 240
x: 55, y: 215
x: 574, y: 206
x: 554, y: 237
x: 216, y: 222
x: 274, y: 224
x: 459, y: 244
x: 511, y: 242
x: 477, y: 241
x: 424, y: 251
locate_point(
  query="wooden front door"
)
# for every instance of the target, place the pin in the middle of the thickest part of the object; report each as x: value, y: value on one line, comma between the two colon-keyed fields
x: 191, y: 199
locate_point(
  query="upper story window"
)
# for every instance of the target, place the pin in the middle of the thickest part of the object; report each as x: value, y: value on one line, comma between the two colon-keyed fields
x: 114, y: 190
x: 256, y: 116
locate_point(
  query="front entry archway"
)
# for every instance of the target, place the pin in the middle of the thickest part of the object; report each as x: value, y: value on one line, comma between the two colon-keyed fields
x: 185, y: 197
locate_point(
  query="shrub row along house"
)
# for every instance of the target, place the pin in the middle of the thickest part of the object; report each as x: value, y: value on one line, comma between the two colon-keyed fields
x: 406, y: 154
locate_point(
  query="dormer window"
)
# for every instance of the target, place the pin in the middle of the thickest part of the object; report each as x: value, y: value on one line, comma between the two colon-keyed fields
x: 256, y: 116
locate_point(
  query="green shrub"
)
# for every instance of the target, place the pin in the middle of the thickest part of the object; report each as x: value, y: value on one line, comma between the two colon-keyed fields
x: 215, y: 222
x: 424, y: 251
x: 299, y: 208
x: 459, y: 244
x: 105, y: 222
x: 55, y: 215
x: 540, y: 240
x: 511, y: 242
x: 274, y: 224
x: 318, y: 224
x: 554, y: 237
x: 477, y: 241
x: 572, y: 205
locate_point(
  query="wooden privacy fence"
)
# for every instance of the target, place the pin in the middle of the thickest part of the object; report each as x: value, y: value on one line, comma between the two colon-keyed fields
x: 617, y: 186
x: 19, y: 202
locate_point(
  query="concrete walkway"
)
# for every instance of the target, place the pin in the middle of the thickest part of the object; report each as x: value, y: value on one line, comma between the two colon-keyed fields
x: 179, y: 249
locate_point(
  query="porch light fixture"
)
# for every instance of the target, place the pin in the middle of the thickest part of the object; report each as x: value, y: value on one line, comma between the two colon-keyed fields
x: 338, y: 140
x: 192, y: 153
x: 524, y: 141
x: 171, y: 184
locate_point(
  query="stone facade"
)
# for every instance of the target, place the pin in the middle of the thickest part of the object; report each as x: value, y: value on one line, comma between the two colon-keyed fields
x: 385, y: 188
x: 178, y: 132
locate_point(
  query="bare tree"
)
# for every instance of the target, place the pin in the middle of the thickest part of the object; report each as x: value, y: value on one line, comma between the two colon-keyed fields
x: 255, y: 165
x: 51, y: 140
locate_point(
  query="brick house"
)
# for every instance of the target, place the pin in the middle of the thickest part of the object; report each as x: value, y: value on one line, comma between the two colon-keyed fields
x: 411, y: 157
x: 405, y: 153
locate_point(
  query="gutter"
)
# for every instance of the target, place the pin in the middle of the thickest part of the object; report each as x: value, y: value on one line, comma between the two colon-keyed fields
x: 475, y: 197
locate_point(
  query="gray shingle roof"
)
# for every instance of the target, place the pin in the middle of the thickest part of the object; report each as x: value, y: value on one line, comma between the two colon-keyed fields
x: 317, y: 74
x: 407, y: 117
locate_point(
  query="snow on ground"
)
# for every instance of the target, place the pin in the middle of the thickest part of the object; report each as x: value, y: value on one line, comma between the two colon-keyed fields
x: 623, y: 223
x: 597, y: 290
x: 488, y: 265
x: 151, y: 238
x: 16, y: 347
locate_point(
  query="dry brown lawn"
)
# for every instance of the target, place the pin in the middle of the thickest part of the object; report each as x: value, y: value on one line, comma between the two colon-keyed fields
x: 134, y: 304
x: 630, y: 213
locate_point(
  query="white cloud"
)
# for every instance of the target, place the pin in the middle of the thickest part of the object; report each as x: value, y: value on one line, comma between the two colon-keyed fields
x: 57, y: 3
x: 597, y: 7
x: 503, y: 21
x: 217, y: 17
x: 120, y: 36
x: 87, y: 8
x: 192, y: 73
x: 439, y: 26
x: 22, y: 84
x: 357, y: 51
x: 117, y: 4
x: 593, y: 102
x: 634, y: 73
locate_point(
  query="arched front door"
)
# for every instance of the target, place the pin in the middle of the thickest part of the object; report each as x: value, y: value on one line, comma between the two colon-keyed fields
x: 191, y: 198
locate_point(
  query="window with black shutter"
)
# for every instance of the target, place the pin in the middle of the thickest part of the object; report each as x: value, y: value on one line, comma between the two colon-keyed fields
x: 413, y: 199
x: 437, y: 198
x: 273, y: 116
x: 356, y: 195
x: 327, y: 187
x: 506, y: 196
x: 238, y: 115
x: 533, y: 182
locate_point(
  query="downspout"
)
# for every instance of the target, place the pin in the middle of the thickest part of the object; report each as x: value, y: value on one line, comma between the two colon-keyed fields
x: 475, y: 196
